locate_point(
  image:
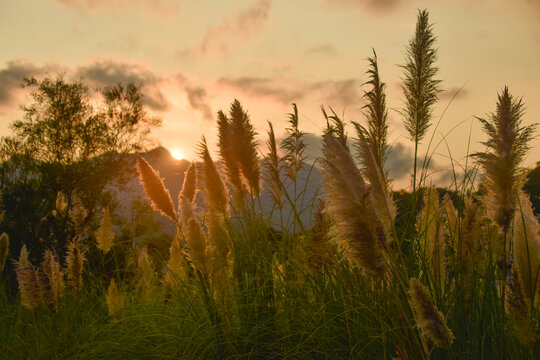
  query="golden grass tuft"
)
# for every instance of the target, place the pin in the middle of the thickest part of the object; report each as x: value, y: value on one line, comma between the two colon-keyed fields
x: 27, y: 277
x: 195, y: 238
x: 176, y: 265
x: 115, y: 301
x: 430, y: 228
x: 154, y: 189
x: 272, y: 167
x: 4, y: 250
x: 74, y: 264
x: 51, y: 280
x: 428, y: 318
x: 105, y: 233
x: 347, y: 195
x: 189, y: 187
x: 214, y: 190
x: 146, y: 275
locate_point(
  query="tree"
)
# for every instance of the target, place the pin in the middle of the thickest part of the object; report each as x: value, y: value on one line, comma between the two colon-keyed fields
x: 70, y: 140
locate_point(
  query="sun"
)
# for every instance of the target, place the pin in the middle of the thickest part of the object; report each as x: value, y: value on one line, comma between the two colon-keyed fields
x: 177, y: 154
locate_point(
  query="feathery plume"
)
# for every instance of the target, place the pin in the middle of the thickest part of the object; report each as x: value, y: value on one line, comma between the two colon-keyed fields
x: 376, y: 113
x: 4, y: 250
x: 527, y: 251
x: 519, y: 312
x: 214, y: 189
x: 507, y: 145
x: 347, y: 195
x: 419, y: 84
x: 27, y: 277
x: 272, y: 167
x: 189, y: 187
x: 74, y: 264
x: 432, y: 236
x: 294, y: 146
x: 154, y: 188
x: 428, y: 318
x: 229, y: 158
x: 115, y: 301
x: 61, y: 204
x: 194, y: 234
x: 105, y: 233
x: 145, y: 274
x: 219, y: 250
x: 380, y: 194
x: 78, y: 214
x: 51, y: 280
x: 452, y: 220
x: 175, y: 266
x: 321, y: 251
x: 245, y: 147
x: 472, y: 234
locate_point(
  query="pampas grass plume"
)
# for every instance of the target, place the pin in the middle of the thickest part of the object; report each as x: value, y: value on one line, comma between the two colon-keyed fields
x: 74, y: 264
x: 105, y: 234
x: 51, y: 279
x: 429, y: 319
x: 115, y: 301
x: 27, y: 277
x: 154, y: 189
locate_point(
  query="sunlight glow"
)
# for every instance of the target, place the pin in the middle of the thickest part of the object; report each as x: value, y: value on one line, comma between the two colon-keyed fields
x: 177, y: 154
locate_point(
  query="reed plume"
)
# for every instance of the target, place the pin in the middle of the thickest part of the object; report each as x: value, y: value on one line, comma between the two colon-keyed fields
x: 189, y: 186
x: 347, y: 196
x: 428, y: 318
x: 472, y: 233
x: 452, y: 218
x: 320, y: 254
x: 105, y: 233
x: 51, y: 280
x: 294, y: 147
x: 272, y: 167
x: 4, y: 250
x: 507, y: 145
x: 419, y: 84
x: 519, y: 312
x: 27, y: 277
x: 228, y: 156
x: 154, y: 189
x: 376, y: 114
x: 527, y: 251
x: 175, y: 266
x: 219, y: 250
x: 195, y: 238
x: 380, y: 194
x: 245, y: 147
x: 146, y: 275
x: 432, y: 237
x: 74, y: 264
x: 214, y: 190
x: 115, y: 301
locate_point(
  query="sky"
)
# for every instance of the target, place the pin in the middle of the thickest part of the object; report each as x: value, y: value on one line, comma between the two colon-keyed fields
x: 193, y: 58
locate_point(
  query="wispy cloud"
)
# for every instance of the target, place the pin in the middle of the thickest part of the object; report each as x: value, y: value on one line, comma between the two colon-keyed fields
x: 327, y: 49
x: 380, y: 6
x: 12, y: 76
x: 107, y: 71
x: 337, y: 93
x: 454, y: 92
x: 238, y: 28
x: 156, y: 88
x: 159, y: 8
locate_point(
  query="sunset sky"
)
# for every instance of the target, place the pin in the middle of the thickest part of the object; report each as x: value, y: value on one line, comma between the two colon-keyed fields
x: 194, y: 57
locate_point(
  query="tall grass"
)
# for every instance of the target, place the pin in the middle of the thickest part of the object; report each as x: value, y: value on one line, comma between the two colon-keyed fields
x: 464, y: 285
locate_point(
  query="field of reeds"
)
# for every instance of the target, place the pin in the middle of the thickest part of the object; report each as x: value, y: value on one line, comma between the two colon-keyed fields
x: 439, y: 275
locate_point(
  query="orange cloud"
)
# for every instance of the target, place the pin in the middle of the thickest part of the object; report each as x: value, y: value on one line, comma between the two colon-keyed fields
x: 243, y: 26
x: 160, y: 8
